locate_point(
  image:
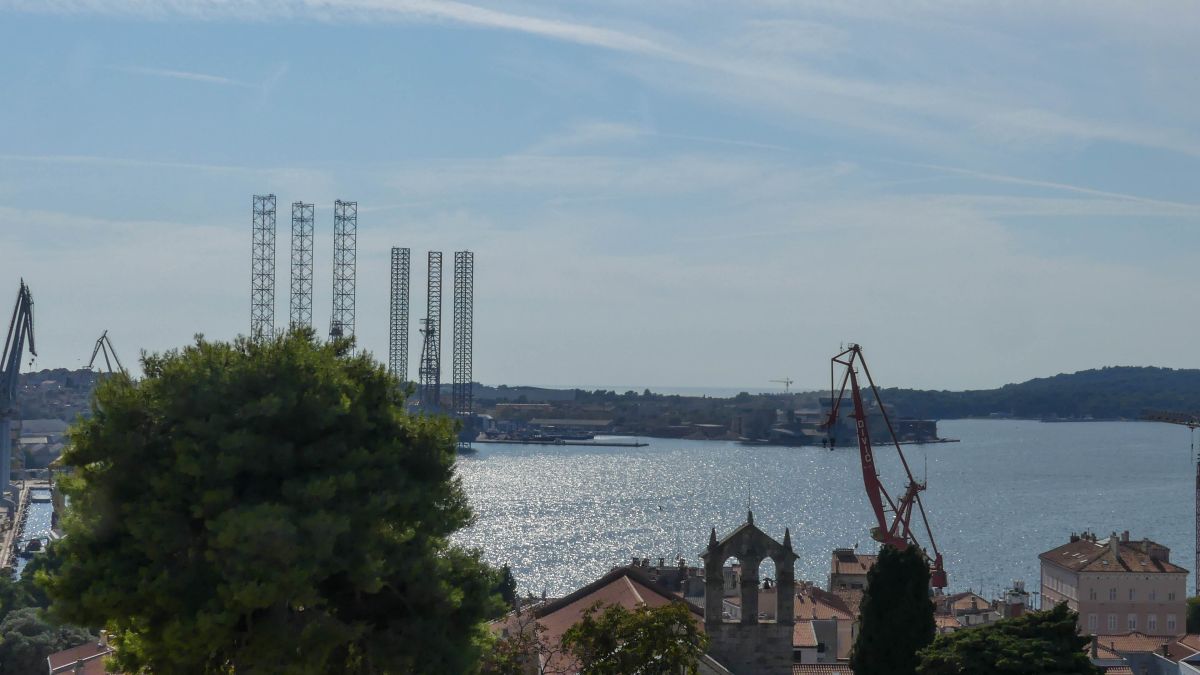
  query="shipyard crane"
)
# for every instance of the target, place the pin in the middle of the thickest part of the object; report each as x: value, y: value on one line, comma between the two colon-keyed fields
x: 1192, y: 422
x: 20, y: 330
x: 899, y: 532
x: 104, y: 347
x: 786, y: 382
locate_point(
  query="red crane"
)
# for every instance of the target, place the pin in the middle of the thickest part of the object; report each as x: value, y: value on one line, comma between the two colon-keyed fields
x: 899, y: 533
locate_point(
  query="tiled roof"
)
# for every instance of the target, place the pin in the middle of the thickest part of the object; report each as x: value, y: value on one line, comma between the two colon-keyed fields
x: 945, y: 621
x: 1133, y: 641
x: 814, y: 603
x: 821, y: 669
x: 625, y: 586
x: 1118, y: 670
x: 803, y: 634
x: 92, y: 655
x: 1085, y: 555
x: 850, y: 562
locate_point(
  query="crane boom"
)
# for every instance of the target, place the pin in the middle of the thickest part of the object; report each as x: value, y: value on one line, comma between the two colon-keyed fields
x: 20, y: 330
x: 899, y: 532
x: 104, y: 347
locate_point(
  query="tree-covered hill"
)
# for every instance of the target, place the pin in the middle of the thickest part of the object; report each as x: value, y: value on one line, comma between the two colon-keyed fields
x: 1113, y: 392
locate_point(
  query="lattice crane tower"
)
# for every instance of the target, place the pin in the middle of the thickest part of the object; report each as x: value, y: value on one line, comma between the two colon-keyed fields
x: 262, y: 268
x: 300, y: 314
x: 462, y: 396
x: 345, y: 236
x: 398, y: 325
x: 430, y: 370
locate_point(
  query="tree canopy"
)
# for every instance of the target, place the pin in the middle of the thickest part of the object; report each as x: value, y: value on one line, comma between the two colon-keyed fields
x: 1038, y: 643
x: 896, y: 615
x: 269, y: 506
x: 27, y: 634
x: 663, y: 640
x: 27, y: 637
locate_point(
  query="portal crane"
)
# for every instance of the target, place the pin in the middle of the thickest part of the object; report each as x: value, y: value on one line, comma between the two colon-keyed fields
x: 899, y: 533
x: 20, y: 329
x: 1191, y: 421
x: 104, y: 347
x: 786, y: 382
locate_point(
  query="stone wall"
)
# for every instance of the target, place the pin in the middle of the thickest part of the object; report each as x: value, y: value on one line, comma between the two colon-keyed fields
x: 763, y: 648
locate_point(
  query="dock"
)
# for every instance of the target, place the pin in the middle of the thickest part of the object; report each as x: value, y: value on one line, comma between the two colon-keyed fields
x: 10, y: 538
x: 593, y: 444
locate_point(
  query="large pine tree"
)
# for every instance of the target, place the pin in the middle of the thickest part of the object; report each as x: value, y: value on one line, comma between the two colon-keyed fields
x: 896, y: 618
x: 269, y: 506
x: 1037, y: 643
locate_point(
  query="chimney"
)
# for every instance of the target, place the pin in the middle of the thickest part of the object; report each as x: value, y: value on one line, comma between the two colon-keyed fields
x: 662, y: 562
x: 1114, y: 545
x: 1074, y: 537
x: 1125, y: 535
x: 635, y: 561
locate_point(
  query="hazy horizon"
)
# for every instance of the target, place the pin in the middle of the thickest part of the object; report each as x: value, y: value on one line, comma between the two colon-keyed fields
x: 980, y: 194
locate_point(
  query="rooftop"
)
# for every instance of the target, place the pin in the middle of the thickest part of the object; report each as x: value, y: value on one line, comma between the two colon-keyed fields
x: 1087, y: 554
x: 89, y: 656
x: 849, y: 561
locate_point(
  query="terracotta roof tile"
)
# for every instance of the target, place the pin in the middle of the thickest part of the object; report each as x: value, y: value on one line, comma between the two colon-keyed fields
x: 625, y: 586
x: 1085, y: 555
x: 850, y: 562
x: 814, y: 603
x: 1133, y: 641
x: 851, y: 597
x: 803, y: 634
x: 821, y: 669
x: 1118, y: 670
x: 91, y: 653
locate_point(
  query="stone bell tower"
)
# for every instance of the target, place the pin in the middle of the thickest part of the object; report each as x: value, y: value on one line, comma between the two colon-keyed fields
x: 750, y: 645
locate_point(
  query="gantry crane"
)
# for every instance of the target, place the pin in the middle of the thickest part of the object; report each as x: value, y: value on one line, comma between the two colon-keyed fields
x: 20, y: 329
x: 1191, y: 421
x: 104, y: 347
x: 899, y: 532
x: 786, y: 382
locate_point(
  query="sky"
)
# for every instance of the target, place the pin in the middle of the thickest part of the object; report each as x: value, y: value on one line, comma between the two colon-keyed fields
x: 662, y: 194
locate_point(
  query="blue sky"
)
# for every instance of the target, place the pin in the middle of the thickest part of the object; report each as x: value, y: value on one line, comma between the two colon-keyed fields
x: 669, y: 193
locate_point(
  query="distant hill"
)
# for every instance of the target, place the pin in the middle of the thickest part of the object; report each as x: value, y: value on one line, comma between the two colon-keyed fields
x: 1113, y: 392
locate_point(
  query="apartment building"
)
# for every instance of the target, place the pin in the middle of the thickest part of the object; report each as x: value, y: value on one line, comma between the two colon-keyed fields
x: 1116, y: 584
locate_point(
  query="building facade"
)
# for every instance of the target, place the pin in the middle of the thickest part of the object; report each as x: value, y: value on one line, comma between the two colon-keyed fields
x: 1117, y: 585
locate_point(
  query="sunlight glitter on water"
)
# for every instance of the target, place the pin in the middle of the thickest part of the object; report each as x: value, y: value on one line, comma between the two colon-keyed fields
x: 564, y: 515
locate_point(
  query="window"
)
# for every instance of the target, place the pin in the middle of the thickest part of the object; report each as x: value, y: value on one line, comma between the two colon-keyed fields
x: 1131, y: 595
x: 1131, y: 621
x: 1151, y: 622
x: 1093, y: 623
x: 1153, y: 595
x: 1112, y: 623
x: 1171, y: 622
x: 1092, y: 594
x: 1112, y: 594
x: 1170, y: 596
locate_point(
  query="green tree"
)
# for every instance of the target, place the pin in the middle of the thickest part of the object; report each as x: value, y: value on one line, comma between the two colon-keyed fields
x: 27, y: 638
x: 1193, y: 615
x: 269, y: 506
x: 1038, y: 643
x: 506, y: 588
x: 896, y: 618
x: 664, y: 640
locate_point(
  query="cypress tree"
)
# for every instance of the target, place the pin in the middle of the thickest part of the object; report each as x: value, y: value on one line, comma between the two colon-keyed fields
x: 896, y: 619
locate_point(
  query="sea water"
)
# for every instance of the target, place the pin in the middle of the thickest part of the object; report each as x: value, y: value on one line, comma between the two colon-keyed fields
x: 562, y: 516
